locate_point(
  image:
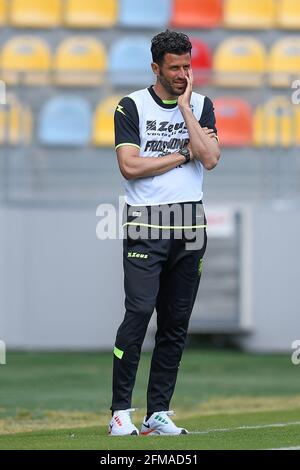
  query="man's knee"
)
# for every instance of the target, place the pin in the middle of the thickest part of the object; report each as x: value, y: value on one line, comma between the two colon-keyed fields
x: 140, y: 306
x: 134, y: 326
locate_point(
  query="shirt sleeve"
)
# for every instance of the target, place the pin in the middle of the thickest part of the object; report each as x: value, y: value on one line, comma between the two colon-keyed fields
x: 208, y: 118
x: 126, y: 121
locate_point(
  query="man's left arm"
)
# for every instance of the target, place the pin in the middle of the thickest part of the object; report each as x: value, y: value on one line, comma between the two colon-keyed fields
x: 203, y: 147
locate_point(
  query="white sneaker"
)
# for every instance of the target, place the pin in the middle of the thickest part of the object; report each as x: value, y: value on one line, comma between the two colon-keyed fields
x: 121, y: 424
x: 159, y: 424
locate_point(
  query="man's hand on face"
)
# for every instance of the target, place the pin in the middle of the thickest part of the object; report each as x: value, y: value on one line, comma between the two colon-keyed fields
x: 184, y: 100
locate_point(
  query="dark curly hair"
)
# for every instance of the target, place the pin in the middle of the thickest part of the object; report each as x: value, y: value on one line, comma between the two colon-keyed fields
x: 169, y: 41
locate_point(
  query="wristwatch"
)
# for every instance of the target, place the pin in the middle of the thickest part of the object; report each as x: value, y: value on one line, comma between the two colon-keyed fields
x: 186, y: 153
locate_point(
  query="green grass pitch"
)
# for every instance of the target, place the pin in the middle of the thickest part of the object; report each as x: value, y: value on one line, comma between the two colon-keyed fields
x: 227, y: 399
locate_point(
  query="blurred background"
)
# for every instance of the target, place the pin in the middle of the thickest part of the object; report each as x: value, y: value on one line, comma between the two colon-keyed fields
x: 65, y: 65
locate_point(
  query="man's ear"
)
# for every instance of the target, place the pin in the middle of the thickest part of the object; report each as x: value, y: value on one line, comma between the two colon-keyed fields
x: 155, y: 68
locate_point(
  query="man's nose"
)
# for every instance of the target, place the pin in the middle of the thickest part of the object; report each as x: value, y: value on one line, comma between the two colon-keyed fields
x: 182, y: 73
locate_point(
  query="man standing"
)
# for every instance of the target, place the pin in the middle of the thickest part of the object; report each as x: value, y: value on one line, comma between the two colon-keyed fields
x: 165, y: 135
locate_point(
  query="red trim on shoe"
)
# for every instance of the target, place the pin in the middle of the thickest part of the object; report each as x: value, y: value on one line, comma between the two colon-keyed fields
x: 118, y: 421
x: 147, y: 432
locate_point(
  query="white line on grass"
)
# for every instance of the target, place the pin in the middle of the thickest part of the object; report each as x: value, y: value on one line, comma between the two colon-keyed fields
x: 286, y: 448
x: 262, y: 426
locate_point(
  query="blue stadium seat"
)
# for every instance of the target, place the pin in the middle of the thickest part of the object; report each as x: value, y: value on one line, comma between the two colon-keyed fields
x: 148, y: 13
x: 130, y: 62
x: 65, y: 120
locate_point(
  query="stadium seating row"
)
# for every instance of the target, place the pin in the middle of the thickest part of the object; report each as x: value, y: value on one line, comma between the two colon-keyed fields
x: 83, y: 61
x: 135, y: 13
x: 69, y: 121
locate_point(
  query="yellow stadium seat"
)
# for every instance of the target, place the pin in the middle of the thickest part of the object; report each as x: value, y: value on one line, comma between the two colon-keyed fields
x: 15, y: 123
x: 36, y: 13
x: 276, y: 123
x: 91, y: 13
x: 80, y: 61
x: 26, y: 59
x: 3, y: 12
x: 2, y: 125
x: 288, y: 14
x: 239, y: 61
x: 20, y: 123
x: 284, y: 62
x: 103, y: 127
x: 249, y: 14
x: 297, y: 125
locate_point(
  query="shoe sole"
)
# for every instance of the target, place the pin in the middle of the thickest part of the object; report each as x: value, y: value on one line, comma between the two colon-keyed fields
x: 134, y: 433
x: 154, y: 432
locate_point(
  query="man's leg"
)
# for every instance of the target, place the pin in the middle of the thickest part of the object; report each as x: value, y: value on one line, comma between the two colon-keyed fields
x: 141, y: 283
x: 175, y: 302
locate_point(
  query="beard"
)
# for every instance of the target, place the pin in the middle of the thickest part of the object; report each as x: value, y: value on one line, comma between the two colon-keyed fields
x: 170, y: 87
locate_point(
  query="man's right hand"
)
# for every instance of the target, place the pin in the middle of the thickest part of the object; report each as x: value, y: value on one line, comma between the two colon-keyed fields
x: 210, y: 132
